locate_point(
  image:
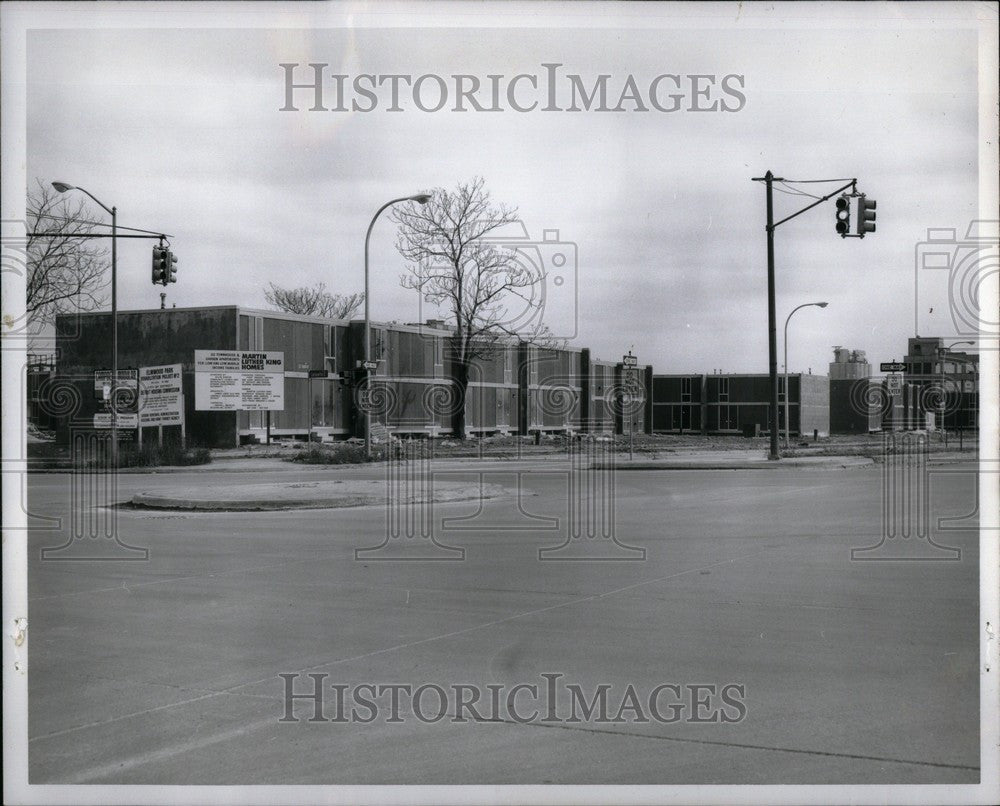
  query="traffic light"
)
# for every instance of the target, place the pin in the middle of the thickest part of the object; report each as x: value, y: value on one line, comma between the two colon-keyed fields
x: 159, y: 265
x: 844, y: 215
x: 170, y: 265
x: 866, y: 216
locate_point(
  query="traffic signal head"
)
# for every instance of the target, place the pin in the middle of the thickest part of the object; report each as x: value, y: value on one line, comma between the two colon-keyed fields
x: 843, y: 215
x: 866, y: 216
x: 159, y: 265
x: 170, y: 265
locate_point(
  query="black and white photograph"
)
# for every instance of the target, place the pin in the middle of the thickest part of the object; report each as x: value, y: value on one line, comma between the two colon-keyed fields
x: 481, y: 402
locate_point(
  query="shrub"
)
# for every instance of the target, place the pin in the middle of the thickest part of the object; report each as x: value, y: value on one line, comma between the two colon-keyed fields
x: 343, y: 454
x: 152, y: 455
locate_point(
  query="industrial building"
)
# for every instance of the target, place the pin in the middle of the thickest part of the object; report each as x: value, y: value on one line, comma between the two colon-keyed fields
x: 906, y: 400
x: 932, y: 365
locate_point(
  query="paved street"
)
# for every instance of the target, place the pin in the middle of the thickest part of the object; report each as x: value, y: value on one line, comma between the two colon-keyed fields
x: 166, y: 670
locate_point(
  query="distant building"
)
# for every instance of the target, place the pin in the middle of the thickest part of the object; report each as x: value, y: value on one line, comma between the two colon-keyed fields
x: 849, y: 364
x: 907, y: 400
x: 855, y: 398
x: 932, y: 365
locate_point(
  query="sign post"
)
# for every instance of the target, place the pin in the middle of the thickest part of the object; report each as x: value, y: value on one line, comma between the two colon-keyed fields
x: 629, y: 364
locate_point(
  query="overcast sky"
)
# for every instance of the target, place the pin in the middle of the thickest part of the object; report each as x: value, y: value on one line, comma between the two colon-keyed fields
x: 181, y: 129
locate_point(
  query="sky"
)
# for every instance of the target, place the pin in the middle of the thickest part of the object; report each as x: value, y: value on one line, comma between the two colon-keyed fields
x: 180, y: 128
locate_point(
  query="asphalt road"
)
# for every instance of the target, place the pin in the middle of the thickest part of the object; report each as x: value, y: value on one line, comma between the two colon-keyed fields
x: 166, y: 670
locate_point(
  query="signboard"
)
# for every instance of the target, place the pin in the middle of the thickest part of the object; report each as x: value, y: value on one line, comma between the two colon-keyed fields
x: 371, y: 365
x: 102, y: 381
x: 894, y: 384
x: 892, y: 366
x: 125, y: 420
x: 161, y: 401
x: 630, y: 360
x: 239, y: 380
x: 319, y: 373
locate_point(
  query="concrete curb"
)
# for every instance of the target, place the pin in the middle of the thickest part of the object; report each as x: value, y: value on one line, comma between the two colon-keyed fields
x: 835, y: 463
x: 275, y: 501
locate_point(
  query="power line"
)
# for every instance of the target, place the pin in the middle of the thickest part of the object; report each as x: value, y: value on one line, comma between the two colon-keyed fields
x: 817, y: 181
x: 799, y: 192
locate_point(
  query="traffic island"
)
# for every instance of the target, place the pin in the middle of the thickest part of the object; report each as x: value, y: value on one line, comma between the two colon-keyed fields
x: 333, y: 494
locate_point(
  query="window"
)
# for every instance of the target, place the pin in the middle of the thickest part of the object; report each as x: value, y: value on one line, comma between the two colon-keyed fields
x: 331, y: 349
x: 781, y: 387
x: 685, y: 390
x: 723, y: 390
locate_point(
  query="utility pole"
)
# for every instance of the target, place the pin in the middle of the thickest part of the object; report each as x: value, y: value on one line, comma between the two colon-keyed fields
x: 772, y: 328
x: 772, y: 325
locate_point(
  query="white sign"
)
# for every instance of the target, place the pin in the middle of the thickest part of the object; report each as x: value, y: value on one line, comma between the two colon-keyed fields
x: 630, y: 360
x: 239, y: 380
x: 102, y: 381
x: 894, y: 384
x: 161, y: 401
x: 125, y: 421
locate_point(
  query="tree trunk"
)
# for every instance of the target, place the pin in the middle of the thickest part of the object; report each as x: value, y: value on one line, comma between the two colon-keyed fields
x: 461, y: 377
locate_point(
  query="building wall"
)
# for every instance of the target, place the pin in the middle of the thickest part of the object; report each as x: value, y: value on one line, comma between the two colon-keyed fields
x: 814, y: 408
x: 677, y: 403
x: 551, y: 389
x: 721, y: 404
x: 145, y: 338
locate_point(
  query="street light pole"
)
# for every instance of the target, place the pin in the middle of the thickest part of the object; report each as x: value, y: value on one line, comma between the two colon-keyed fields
x: 62, y: 187
x: 421, y: 198
x: 803, y: 305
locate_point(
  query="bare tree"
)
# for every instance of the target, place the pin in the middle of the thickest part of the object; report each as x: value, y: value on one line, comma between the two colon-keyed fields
x: 453, y: 263
x: 313, y: 301
x: 65, y: 268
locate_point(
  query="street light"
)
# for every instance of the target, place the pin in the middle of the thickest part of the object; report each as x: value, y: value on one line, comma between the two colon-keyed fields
x: 421, y: 198
x: 941, y: 403
x: 803, y: 305
x: 62, y: 187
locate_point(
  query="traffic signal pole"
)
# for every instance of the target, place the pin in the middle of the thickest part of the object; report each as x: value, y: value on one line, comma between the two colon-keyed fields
x: 772, y: 326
